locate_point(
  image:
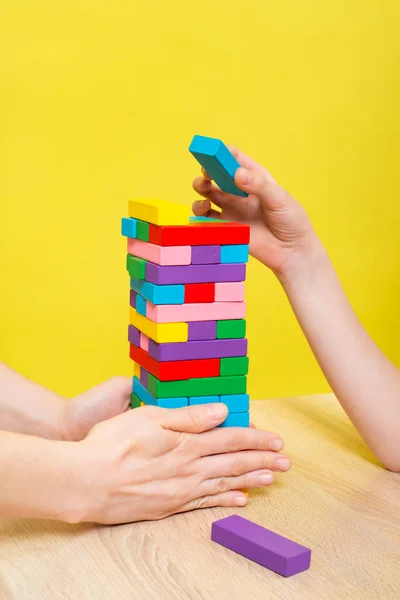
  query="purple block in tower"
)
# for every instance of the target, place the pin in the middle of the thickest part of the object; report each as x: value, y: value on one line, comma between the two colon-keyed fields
x: 144, y: 377
x: 133, y: 335
x: 132, y: 298
x: 206, y: 255
x: 261, y: 545
x: 199, y: 349
x: 202, y: 330
x: 165, y: 275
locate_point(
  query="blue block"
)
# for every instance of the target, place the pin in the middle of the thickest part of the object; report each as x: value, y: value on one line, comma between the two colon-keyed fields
x: 128, y: 228
x: 159, y: 294
x: 145, y: 396
x: 140, y: 305
x: 219, y: 163
x: 236, y: 403
x: 207, y: 220
x: 203, y: 399
x: 236, y: 420
x: 238, y: 253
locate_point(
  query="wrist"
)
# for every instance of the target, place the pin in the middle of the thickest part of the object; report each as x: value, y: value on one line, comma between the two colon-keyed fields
x: 303, y: 267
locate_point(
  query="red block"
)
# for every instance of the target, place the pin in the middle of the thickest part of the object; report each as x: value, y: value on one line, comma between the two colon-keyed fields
x: 199, y: 234
x: 176, y: 370
x: 199, y: 292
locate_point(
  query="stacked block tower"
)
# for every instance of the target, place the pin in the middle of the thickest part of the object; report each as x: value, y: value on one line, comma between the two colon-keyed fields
x: 187, y: 330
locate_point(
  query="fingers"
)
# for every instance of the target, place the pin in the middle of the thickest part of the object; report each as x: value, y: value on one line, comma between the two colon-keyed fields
x: 235, y: 439
x: 260, y: 183
x: 202, y: 208
x: 238, y: 463
x: 194, y: 419
x: 233, y: 498
x: 220, y: 485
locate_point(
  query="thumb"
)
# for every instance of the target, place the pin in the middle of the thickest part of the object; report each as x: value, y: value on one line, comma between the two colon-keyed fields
x: 195, y: 419
x: 261, y: 184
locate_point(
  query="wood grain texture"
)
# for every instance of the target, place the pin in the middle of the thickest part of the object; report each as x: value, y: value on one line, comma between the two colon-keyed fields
x: 337, y: 500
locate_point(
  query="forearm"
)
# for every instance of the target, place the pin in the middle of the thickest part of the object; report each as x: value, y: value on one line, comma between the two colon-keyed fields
x: 26, y: 407
x: 365, y: 382
x: 40, y: 478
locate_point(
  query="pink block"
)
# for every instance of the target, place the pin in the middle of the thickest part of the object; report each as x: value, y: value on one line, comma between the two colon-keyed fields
x: 160, y: 255
x: 169, y: 313
x: 229, y: 291
x: 144, y: 342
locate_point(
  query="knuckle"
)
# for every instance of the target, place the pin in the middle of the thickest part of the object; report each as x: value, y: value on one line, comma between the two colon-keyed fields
x: 236, y: 441
x: 238, y: 467
x: 203, y: 502
x: 222, y: 485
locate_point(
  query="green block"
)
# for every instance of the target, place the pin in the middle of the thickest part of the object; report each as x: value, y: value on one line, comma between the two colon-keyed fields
x: 143, y: 231
x: 136, y: 267
x: 201, y: 386
x: 135, y: 401
x: 236, y: 365
x: 236, y: 328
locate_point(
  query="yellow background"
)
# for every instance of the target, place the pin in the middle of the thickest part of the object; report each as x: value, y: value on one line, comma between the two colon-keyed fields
x: 98, y: 104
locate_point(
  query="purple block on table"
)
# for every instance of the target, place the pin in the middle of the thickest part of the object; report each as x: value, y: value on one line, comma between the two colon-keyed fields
x: 197, y: 349
x: 134, y: 335
x: 132, y: 298
x: 144, y: 377
x: 165, y: 275
x: 202, y: 330
x: 206, y: 255
x: 261, y: 545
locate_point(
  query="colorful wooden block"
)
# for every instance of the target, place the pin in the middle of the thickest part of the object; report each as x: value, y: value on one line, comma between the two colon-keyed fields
x: 192, y: 273
x: 134, y: 335
x: 231, y: 329
x: 159, y: 212
x: 136, y: 367
x: 199, y: 292
x: 202, y: 330
x: 200, y: 234
x: 229, y: 291
x: 238, y: 365
x: 132, y: 298
x: 144, y: 377
x: 159, y: 294
x: 142, y: 231
x: 175, y: 370
x: 159, y: 332
x: 236, y: 420
x: 218, y: 161
x: 261, y: 545
x: 161, y: 255
x: 135, y: 401
x: 193, y: 350
x: 144, y: 342
x: 136, y: 267
x: 128, y: 227
x: 237, y: 253
x: 164, y: 313
x: 236, y: 403
x: 207, y: 386
x: 205, y: 255
x: 141, y: 305
x: 207, y: 219
x: 143, y: 394
x: 203, y: 400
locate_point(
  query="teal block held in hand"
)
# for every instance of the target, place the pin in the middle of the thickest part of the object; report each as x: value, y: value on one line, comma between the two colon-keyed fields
x: 219, y: 163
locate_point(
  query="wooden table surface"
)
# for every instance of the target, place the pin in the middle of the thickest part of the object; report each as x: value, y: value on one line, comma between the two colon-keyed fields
x: 337, y: 500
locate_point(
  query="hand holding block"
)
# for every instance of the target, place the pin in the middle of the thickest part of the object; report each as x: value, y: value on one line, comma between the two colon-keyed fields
x: 261, y: 545
x: 159, y: 212
x: 219, y: 163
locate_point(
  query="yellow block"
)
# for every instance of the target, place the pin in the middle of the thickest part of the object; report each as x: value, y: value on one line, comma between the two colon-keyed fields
x: 159, y: 332
x: 159, y: 212
x: 136, y: 370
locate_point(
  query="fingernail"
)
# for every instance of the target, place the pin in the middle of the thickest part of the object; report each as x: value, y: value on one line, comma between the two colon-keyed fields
x: 216, y: 411
x: 265, y: 478
x: 244, y: 176
x: 276, y: 445
x: 282, y: 464
x: 240, y: 500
